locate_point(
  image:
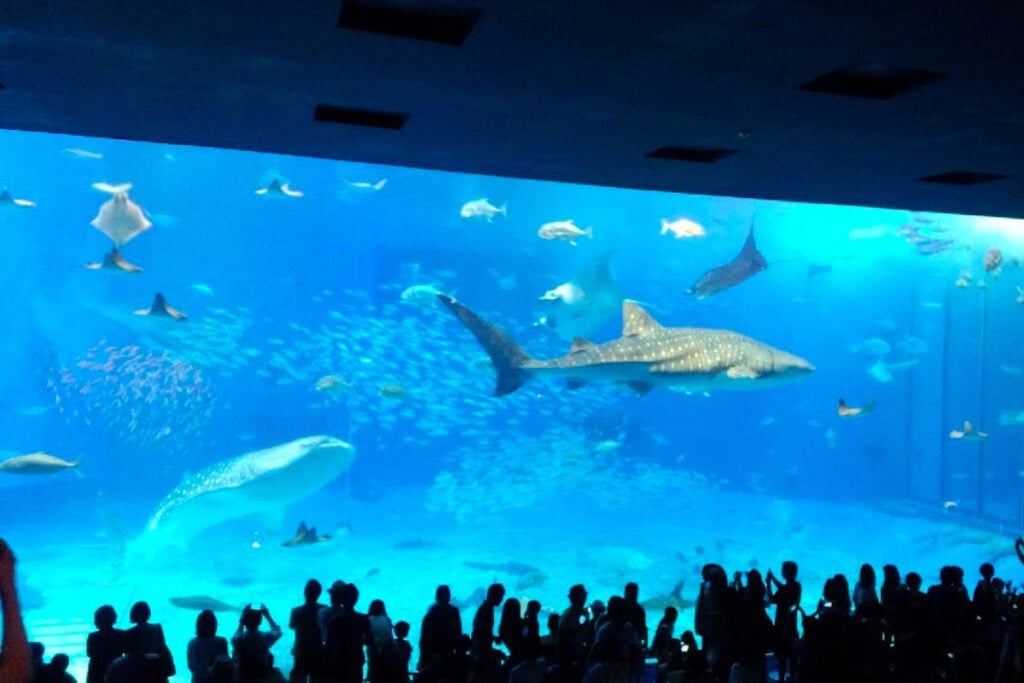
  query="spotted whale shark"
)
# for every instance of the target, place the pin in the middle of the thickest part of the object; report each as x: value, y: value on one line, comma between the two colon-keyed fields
x: 262, y: 483
x: 647, y: 355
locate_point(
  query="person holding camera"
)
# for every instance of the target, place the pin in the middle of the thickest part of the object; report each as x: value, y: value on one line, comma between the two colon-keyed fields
x: 251, y: 646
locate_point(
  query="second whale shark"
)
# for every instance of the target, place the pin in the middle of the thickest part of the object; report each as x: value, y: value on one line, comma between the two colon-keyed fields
x: 647, y: 355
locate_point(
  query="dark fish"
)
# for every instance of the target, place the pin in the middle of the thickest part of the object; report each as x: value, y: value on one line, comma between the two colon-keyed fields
x: 474, y: 599
x: 748, y: 263
x: 372, y: 572
x: 930, y: 246
x: 673, y: 599
x: 816, y: 269
x: 514, y: 568
x: 201, y: 602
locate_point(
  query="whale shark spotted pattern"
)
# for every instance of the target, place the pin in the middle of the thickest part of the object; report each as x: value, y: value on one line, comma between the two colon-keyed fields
x: 645, y: 356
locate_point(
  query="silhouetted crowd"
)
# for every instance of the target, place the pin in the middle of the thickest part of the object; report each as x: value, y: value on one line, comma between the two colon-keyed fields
x: 892, y: 633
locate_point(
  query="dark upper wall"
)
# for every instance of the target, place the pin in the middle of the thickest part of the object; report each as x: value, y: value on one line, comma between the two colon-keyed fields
x: 571, y: 90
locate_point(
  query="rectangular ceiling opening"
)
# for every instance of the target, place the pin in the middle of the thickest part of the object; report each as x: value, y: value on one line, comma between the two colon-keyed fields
x: 963, y: 177
x: 871, y: 81
x: 699, y: 155
x: 368, y: 118
x: 417, y: 21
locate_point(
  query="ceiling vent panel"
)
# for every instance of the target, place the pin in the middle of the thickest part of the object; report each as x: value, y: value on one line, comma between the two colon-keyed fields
x: 872, y: 81
x: 367, y: 118
x: 963, y: 177
x: 413, y: 20
x: 698, y: 155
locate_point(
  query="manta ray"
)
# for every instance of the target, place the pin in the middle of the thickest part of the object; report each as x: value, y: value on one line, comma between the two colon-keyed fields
x: 581, y: 306
x: 261, y: 483
x: 114, y: 261
x: 120, y: 218
x: 161, y: 309
x: 645, y: 356
x: 276, y: 187
x: 748, y: 263
x: 6, y: 200
x: 305, y: 535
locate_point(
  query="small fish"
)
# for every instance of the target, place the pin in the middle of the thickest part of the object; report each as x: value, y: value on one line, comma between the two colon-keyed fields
x: 276, y: 187
x: 332, y: 383
x: 950, y: 505
x: 79, y: 153
x: 203, y: 289
x: 393, y: 391
x: 161, y: 309
x: 965, y: 279
x: 371, y: 573
x: 114, y: 261
x: 682, y: 228
x: 564, y: 230
x: 850, y: 411
x: 1011, y: 418
x: 37, y: 463
x: 6, y: 200
x: 607, y: 446
x: 993, y: 261
x: 968, y: 433
x: 873, y: 346
x: 482, y: 208
x: 363, y: 185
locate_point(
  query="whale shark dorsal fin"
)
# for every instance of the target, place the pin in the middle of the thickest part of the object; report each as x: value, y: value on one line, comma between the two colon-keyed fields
x: 636, y: 321
x: 580, y: 344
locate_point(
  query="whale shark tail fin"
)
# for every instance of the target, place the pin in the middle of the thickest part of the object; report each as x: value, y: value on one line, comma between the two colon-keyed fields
x: 509, y: 358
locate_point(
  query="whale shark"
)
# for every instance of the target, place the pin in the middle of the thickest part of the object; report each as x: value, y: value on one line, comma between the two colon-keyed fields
x: 262, y: 483
x: 645, y: 356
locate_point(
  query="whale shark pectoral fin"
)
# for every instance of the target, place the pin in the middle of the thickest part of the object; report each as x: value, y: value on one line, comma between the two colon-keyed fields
x: 573, y: 384
x: 741, y: 372
x: 641, y: 388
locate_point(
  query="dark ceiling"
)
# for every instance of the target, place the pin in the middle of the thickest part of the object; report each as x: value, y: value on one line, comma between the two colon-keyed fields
x: 570, y: 90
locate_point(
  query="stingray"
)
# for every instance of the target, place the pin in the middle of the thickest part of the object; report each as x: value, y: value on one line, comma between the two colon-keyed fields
x: 748, y: 263
x: 7, y: 200
x: 203, y: 602
x: 120, y: 218
x: 114, y: 261
x: 580, y: 307
x: 161, y: 309
x: 305, y: 535
x: 276, y: 187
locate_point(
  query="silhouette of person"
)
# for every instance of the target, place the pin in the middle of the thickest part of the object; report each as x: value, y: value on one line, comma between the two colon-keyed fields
x: 206, y: 648
x: 15, y: 655
x: 103, y: 645
x: 486, y: 659
x: 334, y: 594
x: 135, y: 665
x: 616, y: 656
x: 439, y: 635
x: 380, y: 636
x: 251, y: 646
x: 510, y: 631
x: 661, y: 646
x: 574, y: 634
x: 57, y: 670
x: 786, y: 598
x: 151, y: 637
x: 531, y: 621
x: 635, y: 612
x: 308, y: 650
x: 348, y: 634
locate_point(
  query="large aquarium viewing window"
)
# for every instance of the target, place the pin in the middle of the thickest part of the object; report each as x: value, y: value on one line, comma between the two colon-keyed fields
x: 225, y: 373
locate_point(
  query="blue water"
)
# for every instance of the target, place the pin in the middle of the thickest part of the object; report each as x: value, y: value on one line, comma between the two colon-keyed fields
x: 597, y: 484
